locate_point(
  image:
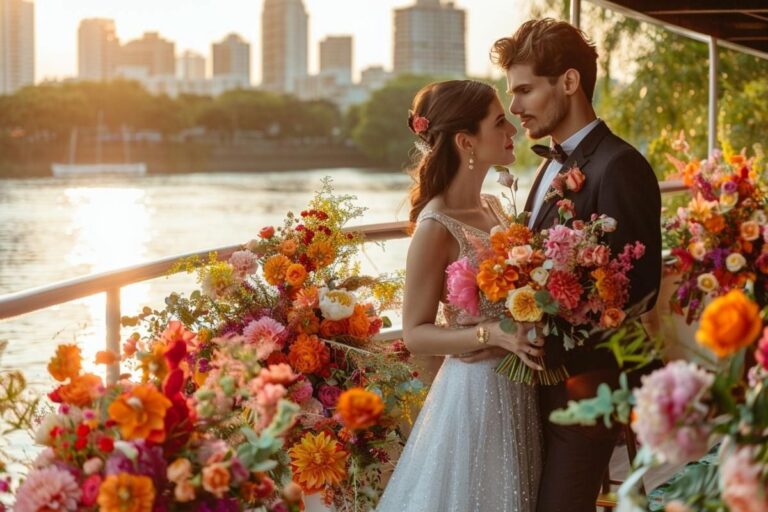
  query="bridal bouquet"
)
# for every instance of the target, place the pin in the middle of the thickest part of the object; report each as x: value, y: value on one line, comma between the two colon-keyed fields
x: 563, y: 278
x: 718, y: 239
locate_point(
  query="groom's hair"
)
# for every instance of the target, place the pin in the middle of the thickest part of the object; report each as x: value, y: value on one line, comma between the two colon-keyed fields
x: 552, y: 47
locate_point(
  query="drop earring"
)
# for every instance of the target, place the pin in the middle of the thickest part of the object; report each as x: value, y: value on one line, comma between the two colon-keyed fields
x: 472, y: 160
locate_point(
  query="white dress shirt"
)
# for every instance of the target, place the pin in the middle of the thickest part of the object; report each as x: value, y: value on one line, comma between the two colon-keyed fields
x: 568, y: 145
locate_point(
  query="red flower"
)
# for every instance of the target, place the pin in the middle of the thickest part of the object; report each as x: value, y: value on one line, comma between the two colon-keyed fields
x: 106, y: 444
x: 565, y: 288
x: 267, y: 232
x: 419, y: 124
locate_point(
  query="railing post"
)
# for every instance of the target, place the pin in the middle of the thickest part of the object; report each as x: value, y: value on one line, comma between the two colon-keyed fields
x: 113, y: 332
x: 714, y: 70
x: 576, y: 13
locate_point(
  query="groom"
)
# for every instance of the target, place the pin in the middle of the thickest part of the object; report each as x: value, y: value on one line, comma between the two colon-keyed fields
x: 551, y: 69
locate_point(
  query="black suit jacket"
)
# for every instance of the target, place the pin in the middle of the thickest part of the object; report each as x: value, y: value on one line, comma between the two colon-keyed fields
x: 621, y: 184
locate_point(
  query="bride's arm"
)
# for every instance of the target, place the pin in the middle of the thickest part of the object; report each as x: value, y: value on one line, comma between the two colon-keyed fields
x: 429, y: 255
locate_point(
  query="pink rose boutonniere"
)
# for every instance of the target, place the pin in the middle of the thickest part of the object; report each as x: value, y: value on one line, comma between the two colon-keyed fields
x: 571, y: 180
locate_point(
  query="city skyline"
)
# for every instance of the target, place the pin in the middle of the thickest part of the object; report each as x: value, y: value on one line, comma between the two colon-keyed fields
x: 191, y: 25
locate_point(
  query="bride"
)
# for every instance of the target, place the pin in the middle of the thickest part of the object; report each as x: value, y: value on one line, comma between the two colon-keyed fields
x: 476, y: 445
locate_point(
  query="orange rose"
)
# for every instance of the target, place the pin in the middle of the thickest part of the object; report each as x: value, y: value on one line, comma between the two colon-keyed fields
x: 612, y: 317
x: 715, y: 223
x: 496, y: 278
x: 308, y: 354
x: 729, y: 323
x: 359, y: 409
x: 574, y: 179
x: 295, y: 274
x: 140, y: 413
x: 288, y: 247
x: 750, y: 230
x: 358, y: 322
x: 66, y: 363
x: 82, y: 390
x: 516, y: 234
x: 304, y: 321
x: 332, y: 328
x: 321, y: 253
x: 126, y: 493
x: 216, y: 479
x: 275, y: 269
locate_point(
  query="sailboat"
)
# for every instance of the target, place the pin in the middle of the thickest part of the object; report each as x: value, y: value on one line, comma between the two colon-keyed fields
x: 99, y: 168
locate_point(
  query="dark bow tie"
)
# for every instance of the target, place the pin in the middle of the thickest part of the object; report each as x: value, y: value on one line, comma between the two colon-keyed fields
x: 556, y: 152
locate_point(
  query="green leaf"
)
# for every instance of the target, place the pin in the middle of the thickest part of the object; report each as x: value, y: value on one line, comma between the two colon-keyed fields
x: 508, y: 325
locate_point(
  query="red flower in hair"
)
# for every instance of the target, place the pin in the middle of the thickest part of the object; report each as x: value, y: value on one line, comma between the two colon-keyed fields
x: 419, y: 124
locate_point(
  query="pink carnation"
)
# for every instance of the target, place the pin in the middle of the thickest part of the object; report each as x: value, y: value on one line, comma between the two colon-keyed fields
x: 301, y: 391
x: 50, y: 489
x: 561, y: 245
x: 671, y: 411
x: 266, y: 334
x: 761, y: 354
x: 462, y: 286
x: 564, y: 288
x: 244, y: 263
x: 742, y: 488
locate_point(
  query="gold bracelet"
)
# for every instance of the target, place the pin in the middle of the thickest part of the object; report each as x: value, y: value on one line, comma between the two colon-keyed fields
x: 483, y: 334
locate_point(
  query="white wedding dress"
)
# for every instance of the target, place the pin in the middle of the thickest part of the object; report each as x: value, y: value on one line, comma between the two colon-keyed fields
x: 476, y: 445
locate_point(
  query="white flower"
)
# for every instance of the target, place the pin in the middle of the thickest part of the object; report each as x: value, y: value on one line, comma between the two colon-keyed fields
x: 760, y: 217
x: 506, y: 179
x: 609, y: 224
x: 707, y: 282
x: 539, y: 275
x: 728, y: 200
x: 735, y: 262
x: 520, y: 255
x: 697, y: 250
x: 244, y: 263
x: 128, y: 449
x: 337, y: 304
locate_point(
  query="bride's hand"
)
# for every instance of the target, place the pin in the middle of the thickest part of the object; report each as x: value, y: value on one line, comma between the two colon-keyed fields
x: 518, y: 342
x: 483, y: 354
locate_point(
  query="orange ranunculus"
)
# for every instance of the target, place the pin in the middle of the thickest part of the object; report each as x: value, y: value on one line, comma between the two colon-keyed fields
x: 495, y: 278
x: 516, y: 234
x: 690, y: 171
x: 140, y: 413
x: 304, y: 321
x: 332, y: 328
x: 359, y: 408
x: 308, y: 354
x: 318, y: 461
x: 612, y: 317
x: 715, y: 224
x: 275, y: 269
x: 82, y: 390
x: 66, y: 363
x: 106, y: 357
x: 729, y: 323
x: 288, y: 247
x: 124, y: 492
x: 358, y: 322
x: 295, y: 274
x: 216, y: 479
x: 321, y: 253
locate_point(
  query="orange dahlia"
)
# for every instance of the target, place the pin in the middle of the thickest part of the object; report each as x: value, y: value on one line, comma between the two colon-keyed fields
x: 140, y: 413
x: 496, y: 278
x: 729, y: 323
x: 359, y: 408
x: 359, y: 325
x: 333, y: 328
x: 295, y: 274
x: 304, y: 321
x: 318, y: 461
x: 516, y: 234
x: 126, y: 493
x: 275, y: 269
x: 321, y: 253
x: 66, y: 363
x: 82, y: 390
x: 308, y: 354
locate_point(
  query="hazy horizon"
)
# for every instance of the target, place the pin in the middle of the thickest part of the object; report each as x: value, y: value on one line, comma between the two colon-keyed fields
x: 196, y: 24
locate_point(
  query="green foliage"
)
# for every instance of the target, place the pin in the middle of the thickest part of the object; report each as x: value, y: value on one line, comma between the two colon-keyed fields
x: 608, y: 405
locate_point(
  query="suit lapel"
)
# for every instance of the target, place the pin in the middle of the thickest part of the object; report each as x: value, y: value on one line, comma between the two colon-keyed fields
x: 578, y: 158
x: 536, y: 182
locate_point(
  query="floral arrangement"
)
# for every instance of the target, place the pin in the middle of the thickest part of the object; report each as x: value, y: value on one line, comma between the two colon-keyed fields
x: 717, y: 240
x: 563, y: 278
x: 681, y: 410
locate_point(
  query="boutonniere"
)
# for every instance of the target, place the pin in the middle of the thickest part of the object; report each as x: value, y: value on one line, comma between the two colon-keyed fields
x: 571, y: 180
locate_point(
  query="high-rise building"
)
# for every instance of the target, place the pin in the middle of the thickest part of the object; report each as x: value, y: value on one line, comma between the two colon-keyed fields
x: 17, y: 45
x: 284, y: 44
x: 97, y: 49
x: 151, y: 55
x: 190, y: 66
x: 336, y: 58
x: 374, y: 77
x: 430, y: 39
x: 232, y: 58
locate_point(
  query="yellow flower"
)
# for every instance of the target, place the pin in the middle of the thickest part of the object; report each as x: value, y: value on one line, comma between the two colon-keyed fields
x: 140, y: 413
x: 729, y: 323
x: 707, y: 282
x: 728, y: 201
x: 522, y: 305
x: 699, y: 208
x: 126, y: 493
x: 321, y: 253
x: 698, y: 250
x: 318, y: 461
x: 735, y: 262
x: 66, y: 363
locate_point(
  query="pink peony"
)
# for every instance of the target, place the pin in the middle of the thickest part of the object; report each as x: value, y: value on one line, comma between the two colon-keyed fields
x: 740, y: 482
x: 671, y: 411
x: 564, y: 288
x: 266, y: 334
x: 462, y: 286
x: 761, y: 354
x: 50, y: 489
x: 244, y: 263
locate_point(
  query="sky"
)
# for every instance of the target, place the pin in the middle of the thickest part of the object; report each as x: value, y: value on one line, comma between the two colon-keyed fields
x: 195, y: 24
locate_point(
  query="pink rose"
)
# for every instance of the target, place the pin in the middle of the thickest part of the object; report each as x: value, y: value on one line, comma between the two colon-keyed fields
x: 602, y: 254
x: 301, y: 391
x: 328, y: 396
x: 574, y: 179
x: 90, y: 490
x: 586, y: 257
x: 566, y: 206
x: 520, y: 254
x: 578, y: 225
x: 420, y: 124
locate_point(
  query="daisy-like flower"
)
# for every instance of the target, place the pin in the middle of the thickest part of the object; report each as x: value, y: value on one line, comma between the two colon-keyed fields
x: 126, y: 493
x: 140, y: 413
x: 266, y: 334
x: 318, y: 461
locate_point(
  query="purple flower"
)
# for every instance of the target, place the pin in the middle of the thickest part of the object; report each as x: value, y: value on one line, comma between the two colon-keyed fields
x: 718, y: 256
x: 730, y: 186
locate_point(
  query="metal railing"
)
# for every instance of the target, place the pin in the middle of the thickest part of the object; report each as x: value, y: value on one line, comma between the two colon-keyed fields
x: 113, y: 281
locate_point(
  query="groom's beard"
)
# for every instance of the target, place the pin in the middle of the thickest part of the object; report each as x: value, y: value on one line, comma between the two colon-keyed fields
x: 558, y: 114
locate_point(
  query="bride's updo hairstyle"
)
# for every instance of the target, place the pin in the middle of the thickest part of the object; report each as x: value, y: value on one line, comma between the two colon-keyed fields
x: 441, y: 110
